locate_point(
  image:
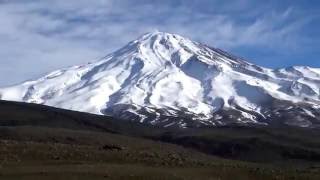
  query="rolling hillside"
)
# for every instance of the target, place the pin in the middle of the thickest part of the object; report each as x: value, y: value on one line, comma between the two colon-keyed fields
x: 42, y: 142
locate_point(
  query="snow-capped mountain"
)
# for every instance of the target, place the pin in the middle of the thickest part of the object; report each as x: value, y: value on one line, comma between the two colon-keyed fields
x: 169, y: 80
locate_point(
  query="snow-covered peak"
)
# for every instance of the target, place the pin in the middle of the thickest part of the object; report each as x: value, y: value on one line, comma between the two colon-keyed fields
x: 166, y: 47
x: 166, y: 79
x: 154, y: 36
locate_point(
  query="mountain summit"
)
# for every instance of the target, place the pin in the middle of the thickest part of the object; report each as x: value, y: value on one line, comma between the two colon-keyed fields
x: 168, y: 80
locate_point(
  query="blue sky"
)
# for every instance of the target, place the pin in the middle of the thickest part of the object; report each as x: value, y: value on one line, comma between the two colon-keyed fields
x: 38, y: 36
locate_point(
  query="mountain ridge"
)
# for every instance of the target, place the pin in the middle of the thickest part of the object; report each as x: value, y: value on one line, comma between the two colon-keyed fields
x: 169, y: 80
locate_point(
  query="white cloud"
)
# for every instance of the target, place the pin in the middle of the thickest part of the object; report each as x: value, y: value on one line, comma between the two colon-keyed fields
x: 57, y: 33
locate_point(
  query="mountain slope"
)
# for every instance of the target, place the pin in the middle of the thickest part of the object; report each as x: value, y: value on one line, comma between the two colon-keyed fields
x: 169, y: 80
